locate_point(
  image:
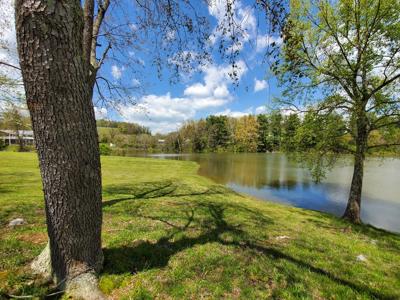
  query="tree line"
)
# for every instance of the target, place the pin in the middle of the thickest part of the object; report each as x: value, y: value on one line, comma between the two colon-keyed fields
x: 270, y: 133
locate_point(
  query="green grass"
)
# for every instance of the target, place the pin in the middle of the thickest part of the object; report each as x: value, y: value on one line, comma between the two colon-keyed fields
x: 171, y: 234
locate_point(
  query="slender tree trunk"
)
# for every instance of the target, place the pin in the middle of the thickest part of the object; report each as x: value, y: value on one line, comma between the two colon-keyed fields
x: 49, y: 36
x: 21, y: 147
x: 353, y: 209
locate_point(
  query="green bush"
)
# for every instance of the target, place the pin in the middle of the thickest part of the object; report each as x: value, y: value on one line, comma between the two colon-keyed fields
x: 29, y: 148
x: 16, y: 148
x: 105, y: 149
x: 2, y: 144
x: 12, y: 148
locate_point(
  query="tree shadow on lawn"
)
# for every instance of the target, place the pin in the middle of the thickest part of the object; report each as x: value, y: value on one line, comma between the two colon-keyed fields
x: 150, y: 190
x: 389, y: 239
x: 143, y: 255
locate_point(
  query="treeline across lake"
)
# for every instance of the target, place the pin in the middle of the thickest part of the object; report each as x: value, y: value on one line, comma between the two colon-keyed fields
x: 270, y: 133
x: 273, y: 132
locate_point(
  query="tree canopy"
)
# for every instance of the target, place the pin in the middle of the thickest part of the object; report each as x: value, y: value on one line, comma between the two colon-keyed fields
x: 342, y: 57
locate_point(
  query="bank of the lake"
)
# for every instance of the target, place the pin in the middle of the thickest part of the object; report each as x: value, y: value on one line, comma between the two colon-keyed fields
x: 169, y: 233
x: 275, y: 177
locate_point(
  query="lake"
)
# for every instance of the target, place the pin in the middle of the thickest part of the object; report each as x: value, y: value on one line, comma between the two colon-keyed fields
x: 274, y: 177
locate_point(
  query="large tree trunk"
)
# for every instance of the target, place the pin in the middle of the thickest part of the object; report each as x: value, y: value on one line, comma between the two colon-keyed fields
x: 49, y: 36
x: 353, y: 209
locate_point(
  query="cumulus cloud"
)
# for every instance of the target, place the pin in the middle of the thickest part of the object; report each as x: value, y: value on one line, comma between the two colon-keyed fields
x: 261, y: 110
x: 235, y: 114
x: 216, y: 81
x: 160, y: 113
x: 164, y: 113
x: 260, y: 85
x: 116, y: 72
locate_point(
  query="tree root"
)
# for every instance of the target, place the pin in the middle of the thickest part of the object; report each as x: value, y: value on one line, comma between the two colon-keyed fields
x: 41, y: 265
x: 84, y: 286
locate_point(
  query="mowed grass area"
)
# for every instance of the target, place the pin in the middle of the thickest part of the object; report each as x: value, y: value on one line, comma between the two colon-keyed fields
x: 171, y: 234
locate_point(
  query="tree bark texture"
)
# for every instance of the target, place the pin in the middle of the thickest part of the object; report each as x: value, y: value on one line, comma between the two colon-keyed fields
x: 55, y: 73
x: 353, y: 209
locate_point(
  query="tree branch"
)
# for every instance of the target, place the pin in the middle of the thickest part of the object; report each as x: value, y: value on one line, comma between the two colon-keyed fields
x: 88, y: 12
x: 9, y: 65
x: 385, y: 83
x: 96, y: 28
x: 383, y: 145
x: 103, y: 57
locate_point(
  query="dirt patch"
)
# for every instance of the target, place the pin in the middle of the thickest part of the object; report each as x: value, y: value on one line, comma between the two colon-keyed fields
x: 34, y: 237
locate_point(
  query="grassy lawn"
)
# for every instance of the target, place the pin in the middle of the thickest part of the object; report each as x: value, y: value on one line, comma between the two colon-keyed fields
x: 171, y: 234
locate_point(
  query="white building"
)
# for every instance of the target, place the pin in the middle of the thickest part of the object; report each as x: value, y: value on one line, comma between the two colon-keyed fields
x: 11, y: 137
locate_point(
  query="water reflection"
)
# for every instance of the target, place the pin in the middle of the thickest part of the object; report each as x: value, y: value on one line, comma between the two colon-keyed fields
x: 274, y: 177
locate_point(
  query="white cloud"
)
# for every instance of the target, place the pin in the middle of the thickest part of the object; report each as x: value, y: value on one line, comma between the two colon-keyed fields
x: 100, y: 112
x: 263, y: 41
x: 261, y: 110
x: 235, y: 114
x: 244, y: 16
x: 116, y: 72
x: 260, y: 85
x: 197, y: 90
x: 214, y: 91
x: 160, y: 113
x: 163, y: 113
x: 221, y: 92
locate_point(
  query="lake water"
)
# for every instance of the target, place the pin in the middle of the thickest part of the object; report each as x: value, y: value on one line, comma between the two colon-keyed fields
x: 274, y: 177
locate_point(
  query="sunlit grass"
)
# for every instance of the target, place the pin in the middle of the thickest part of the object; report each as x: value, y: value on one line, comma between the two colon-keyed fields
x: 169, y: 233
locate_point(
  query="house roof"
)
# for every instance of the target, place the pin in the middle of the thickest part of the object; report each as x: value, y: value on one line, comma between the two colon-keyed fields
x: 26, y: 133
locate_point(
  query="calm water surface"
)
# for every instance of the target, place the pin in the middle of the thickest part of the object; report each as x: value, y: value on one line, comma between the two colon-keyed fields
x: 276, y: 178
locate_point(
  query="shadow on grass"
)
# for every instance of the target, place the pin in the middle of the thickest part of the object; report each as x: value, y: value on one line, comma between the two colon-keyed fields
x: 374, y: 233
x: 150, y: 190
x: 213, y: 227
x: 143, y: 255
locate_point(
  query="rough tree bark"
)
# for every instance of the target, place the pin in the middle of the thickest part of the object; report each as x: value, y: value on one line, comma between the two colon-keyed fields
x: 353, y: 209
x: 52, y: 58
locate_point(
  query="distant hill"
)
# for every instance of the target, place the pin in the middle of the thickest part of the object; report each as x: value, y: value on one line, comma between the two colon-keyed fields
x: 124, y: 127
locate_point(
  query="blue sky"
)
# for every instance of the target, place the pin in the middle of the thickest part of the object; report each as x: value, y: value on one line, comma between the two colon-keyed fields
x: 164, y: 107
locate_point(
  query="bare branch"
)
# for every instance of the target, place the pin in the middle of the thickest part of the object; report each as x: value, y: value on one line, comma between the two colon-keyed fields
x: 88, y: 12
x: 383, y: 145
x: 9, y: 65
x: 103, y: 7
